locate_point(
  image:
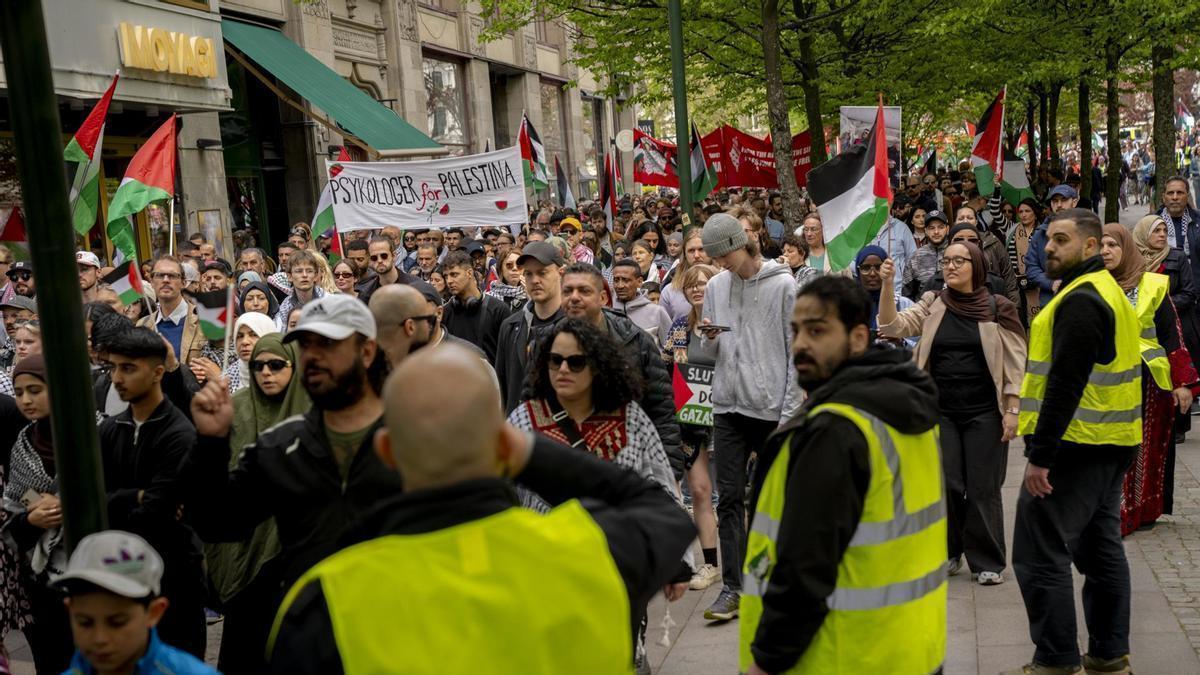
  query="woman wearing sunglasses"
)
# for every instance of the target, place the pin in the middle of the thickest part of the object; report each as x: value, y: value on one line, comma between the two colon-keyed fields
x: 241, y: 573
x: 345, y: 274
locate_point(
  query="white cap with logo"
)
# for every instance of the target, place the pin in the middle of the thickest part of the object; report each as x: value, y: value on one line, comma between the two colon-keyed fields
x: 87, y: 258
x: 336, y: 317
x: 117, y: 561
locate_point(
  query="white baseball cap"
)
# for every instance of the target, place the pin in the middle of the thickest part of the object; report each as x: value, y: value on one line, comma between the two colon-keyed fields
x: 87, y: 258
x: 336, y: 317
x: 117, y: 561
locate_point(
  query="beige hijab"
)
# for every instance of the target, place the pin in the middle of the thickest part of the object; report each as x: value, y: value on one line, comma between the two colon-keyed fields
x: 1141, y: 237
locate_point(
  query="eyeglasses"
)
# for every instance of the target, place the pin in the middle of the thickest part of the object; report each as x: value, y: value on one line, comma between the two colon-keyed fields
x: 30, y: 323
x: 431, y: 319
x: 955, y: 263
x: 575, y: 362
x: 166, y: 276
x: 274, y: 365
x: 20, y: 275
x: 343, y: 275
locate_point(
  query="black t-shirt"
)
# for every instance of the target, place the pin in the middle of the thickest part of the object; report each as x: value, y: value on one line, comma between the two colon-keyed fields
x: 959, y: 368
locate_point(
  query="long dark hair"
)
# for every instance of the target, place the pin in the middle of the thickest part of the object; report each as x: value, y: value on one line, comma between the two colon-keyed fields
x: 615, y: 382
x: 649, y: 226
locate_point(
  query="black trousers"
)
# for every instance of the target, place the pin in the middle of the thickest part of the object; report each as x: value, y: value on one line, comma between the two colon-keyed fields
x: 975, y: 462
x: 734, y: 438
x: 183, y: 584
x: 1080, y: 523
x: 49, y: 636
x: 249, y: 616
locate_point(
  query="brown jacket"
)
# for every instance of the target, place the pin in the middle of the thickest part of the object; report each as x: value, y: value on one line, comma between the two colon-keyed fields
x: 1004, y: 350
x: 193, y: 338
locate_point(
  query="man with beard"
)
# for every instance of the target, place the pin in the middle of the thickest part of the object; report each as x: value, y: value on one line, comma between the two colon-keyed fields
x: 541, y: 270
x: 403, y: 320
x: 383, y: 263
x: 313, y: 473
x: 1183, y: 221
x: 20, y: 274
x: 926, y: 261
x: 847, y: 546
x: 88, y: 265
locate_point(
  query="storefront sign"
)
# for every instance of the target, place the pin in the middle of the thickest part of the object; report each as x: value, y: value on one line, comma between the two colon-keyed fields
x: 166, y: 51
x: 483, y: 190
x: 693, y: 394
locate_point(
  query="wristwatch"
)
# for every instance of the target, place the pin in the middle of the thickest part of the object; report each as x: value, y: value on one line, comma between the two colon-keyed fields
x: 1012, y: 411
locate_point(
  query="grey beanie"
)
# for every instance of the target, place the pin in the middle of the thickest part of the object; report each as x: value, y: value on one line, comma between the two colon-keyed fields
x: 722, y: 235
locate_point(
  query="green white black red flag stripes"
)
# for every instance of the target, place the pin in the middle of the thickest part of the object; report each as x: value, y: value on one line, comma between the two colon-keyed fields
x: 533, y: 156
x: 987, y: 149
x: 149, y: 178
x: 853, y: 196
x: 212, y: 308
x: 704, y: 178
x: 1014, y: 185
x: 127, y: 282
x: 323, y: 220
x: 84, y: 151
x: 566, y: 198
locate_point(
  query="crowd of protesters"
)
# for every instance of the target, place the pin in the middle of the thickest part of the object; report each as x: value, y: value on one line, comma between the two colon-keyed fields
x: 242, y: 470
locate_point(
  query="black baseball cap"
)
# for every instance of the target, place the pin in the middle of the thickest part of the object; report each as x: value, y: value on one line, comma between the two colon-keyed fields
x: 936, y: 215
x: 541, y: 251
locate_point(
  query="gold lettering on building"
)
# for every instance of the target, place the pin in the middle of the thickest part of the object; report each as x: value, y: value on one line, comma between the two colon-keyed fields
x: 166, y: 51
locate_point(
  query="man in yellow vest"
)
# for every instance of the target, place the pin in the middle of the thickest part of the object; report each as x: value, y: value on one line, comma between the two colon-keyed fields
x: 453, y: 577
x: 845, y: 566
x: 1081, y: 415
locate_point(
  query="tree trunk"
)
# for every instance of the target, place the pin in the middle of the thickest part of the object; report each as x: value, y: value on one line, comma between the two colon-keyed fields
x: 777, y: 113
x: 1112, y: 205
x: 1030, y: 144
x: 1043, y: 122
x: 1052, y: 126
x: 1164, y: 114
x: 809, y: 82
x: 1085, y: 140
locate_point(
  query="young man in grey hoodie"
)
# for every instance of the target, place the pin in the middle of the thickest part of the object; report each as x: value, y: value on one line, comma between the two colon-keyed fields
x: 747, y: 309
x: 626, y: 281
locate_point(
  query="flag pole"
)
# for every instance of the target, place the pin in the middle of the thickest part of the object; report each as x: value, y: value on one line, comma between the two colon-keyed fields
x: 228, y: 326
x: 170, y: 227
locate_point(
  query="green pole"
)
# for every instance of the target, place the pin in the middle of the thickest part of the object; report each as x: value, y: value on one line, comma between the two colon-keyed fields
x: 36, y: 135
x: 683, y: 158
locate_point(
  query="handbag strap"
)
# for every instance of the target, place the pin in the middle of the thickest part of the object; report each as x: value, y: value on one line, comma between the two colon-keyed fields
x: 567, y: 425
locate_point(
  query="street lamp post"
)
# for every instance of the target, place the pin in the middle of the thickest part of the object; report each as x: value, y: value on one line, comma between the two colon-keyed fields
x: 37, y: 135
x: 683, y: 158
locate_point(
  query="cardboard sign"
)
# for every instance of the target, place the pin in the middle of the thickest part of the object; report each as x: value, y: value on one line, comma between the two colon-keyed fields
x: 693, y: 394
x: 475, y: 190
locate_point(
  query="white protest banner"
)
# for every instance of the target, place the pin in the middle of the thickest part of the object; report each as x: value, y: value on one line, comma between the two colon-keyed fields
x: 476, y: 190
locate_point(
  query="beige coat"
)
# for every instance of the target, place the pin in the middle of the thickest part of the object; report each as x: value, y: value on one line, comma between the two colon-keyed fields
x: 1004, y: 350
x: 193, y: 338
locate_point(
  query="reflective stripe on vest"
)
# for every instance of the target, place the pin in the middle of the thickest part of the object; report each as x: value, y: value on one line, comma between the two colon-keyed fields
x: 1153, y: 289
x: 891, y: 579
x: 460, y: 599
x: 1109, y: 410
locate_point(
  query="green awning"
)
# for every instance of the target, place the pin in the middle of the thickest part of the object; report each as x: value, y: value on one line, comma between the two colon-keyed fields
x: 353, y: 109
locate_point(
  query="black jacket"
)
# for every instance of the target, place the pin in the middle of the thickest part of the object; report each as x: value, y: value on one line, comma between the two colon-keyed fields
x: 645, y: 530
x: 658, y: 395
x: 476, y: 321
x: 179, y: 386
x: 827, y: 479
x: 1184, y: 295
x: 11, y: 423
x: 290, y: 474
x: 514, y: 346
x: 149, y: 459
x: 367, y: 287
x: 1084, y: 329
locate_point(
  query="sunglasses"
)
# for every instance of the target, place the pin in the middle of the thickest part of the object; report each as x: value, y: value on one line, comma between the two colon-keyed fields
x: 381, y: 256
x: 20, y: 275
x: 575, y: 362
x: 274, y: 365
x: 343, y: 275
x: 431, y: 319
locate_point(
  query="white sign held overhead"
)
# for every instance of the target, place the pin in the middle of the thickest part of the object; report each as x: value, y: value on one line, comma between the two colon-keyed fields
x: 475, y: 190
x: 625, y: 140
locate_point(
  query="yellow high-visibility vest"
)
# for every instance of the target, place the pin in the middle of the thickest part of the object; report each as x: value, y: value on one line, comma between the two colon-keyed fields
x: 1110, y: 410
x: 887, y: 613
x: 516, y: 592
x: 1151, y: 291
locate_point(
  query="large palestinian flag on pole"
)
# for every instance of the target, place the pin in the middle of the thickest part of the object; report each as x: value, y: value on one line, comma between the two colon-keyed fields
x: 608, y: 191
x: 565, y: 198
x: 853, y: 195
x: 149, y: 178
x: 986, y: 152
x: 533, y: 156
x: 323, y: 221
x: 1014, y: 185
x: 84, y: 151
x: 704, y: 177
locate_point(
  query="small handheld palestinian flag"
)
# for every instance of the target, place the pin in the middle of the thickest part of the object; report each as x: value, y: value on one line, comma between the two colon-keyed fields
x: 1014, y: 186
x: 214, y: 312
x: 126, y: 281
x: 987, y: 157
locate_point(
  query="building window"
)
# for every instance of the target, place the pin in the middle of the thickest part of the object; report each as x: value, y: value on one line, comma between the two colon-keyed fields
x: 201, y: 5
x: 553, y: 129
x: 548, y: 32
x: 446, y: 104
x: 593, y: 149
x: 449, y: 6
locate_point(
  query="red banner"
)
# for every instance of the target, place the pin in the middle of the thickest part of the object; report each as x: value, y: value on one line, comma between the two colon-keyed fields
x: 741, y: 160
x: 653, y: 161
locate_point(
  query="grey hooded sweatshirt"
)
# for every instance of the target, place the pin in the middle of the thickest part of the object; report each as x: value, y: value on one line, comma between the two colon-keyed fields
x: 648, y: 316
x: 754, y: 376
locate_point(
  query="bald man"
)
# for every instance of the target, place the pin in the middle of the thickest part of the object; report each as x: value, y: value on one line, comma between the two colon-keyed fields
x: 486, y: 586
x: 402, y: 319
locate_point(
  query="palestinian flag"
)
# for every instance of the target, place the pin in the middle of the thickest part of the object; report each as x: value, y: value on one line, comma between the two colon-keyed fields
x: 213, y: 309
x: 704, y: 178
x: 853, y: 195
x: 126, y: 281
x: 617, y: 172
x: 608, y: 192
x: 12, y: 223
x: 323, y: 221
x: 1014, y: 186
x: 149, y: 178
x: 491, y: 280
x: 84, y: 151
x: 533, y: 155
x: 986, y: 151
x: 1183, y: 117
x: 929, y: 166
x: 565, y: 198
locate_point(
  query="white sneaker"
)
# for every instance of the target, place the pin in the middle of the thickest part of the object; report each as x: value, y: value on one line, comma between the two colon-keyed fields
x: 990, y: 579
x: 704, y: 577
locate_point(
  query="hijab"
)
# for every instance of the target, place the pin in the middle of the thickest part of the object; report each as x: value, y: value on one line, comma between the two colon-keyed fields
x: 865, y: 253
x: 272, y: 303
x: 1132, y: 265
x: 1141, y: 237
x: 254, y: 411
x: 980, y: 305
x: 260, y: 324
